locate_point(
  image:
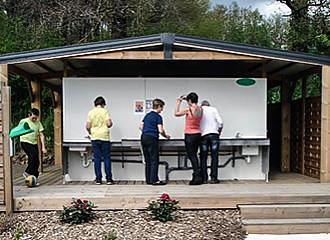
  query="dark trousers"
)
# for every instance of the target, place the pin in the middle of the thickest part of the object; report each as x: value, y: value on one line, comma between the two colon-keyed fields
x: 101, y: 151
x: 210, y: 141
x: 150, y: 148
x: 192, y: 142
x: 32, y: 152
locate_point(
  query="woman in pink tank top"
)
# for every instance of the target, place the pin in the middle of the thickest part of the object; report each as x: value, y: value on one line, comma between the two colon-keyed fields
x: 192, y: 136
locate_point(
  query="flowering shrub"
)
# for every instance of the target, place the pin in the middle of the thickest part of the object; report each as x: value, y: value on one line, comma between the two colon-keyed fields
x: 80, y: 211
x: 163, y: 208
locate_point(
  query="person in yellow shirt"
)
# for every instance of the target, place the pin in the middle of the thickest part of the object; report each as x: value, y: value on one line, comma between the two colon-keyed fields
x: 98, y: 122
x: 29, y: 142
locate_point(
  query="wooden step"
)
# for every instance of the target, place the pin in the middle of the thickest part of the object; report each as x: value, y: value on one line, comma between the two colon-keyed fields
x: 285, y: 211
x: 287, y: 226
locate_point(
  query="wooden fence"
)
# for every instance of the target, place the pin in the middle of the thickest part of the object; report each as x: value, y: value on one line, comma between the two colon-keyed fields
x: 306, y: 137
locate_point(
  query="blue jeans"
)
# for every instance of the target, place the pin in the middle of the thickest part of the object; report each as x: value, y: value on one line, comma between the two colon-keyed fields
x: 210, y: 141
x: 151, y: 156
x: 101, y: 151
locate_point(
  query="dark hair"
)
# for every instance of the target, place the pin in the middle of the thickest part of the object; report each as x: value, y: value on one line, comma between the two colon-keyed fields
x: 193, y: 97
x: 99, y: 101
x: 157, y: 103
x: 34, y: 111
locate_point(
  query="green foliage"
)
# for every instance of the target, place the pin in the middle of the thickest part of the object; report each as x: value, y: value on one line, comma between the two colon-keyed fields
x: 80, y: 211
x: 297, y: 92
x: 323, y: 44
x: 163, y: 208
x: 20, y: 99
x: 309, y: 25
x: 313, y: 86
x: 18, y: 234
x: 313, y: 89
x: 47, y: 117
x: 112, y: 235
x: 274, y: 95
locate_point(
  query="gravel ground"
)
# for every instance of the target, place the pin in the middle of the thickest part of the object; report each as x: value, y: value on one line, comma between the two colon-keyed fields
x: 129, y: 224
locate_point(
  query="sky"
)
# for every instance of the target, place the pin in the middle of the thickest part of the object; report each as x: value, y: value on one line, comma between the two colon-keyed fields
x: 265, y: 7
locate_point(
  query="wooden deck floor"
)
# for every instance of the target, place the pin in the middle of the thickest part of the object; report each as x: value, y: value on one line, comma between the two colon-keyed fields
x: 53, y: 176
x: 282, y: 188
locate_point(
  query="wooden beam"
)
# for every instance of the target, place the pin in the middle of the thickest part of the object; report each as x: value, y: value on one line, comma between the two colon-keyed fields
x: 36, y: 92
x: 211, y: 56
x: 125, y: 55
x: 303, y: 122
x: 6, y: 149
x: 18, y: 71
x: 280, y: 69
x: 44, y: 66
x: 307, y: 72
x: 58, y: 120
x: 285, y: 100
x: 57, y: 129
x: 59, y: 74
x: 4, y: 74
x: 69, y: 64
x: 158, y: 55
x: 5, y: 101
x: 325, y: 126
x: 264, y: 72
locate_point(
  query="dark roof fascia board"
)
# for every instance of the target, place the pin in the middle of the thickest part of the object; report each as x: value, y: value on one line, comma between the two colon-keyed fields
x: 135, y: 42
x: 253, y: 50
x: 79, y: 49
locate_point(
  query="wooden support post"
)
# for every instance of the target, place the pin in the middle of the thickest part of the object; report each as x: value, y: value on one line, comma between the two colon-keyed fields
x: 57, y: 129
x: 325, y: 126
x: 285, y: 99
x: 303, y: 124
x: 5, y: 101
x: 264, y: 71
x: 36, y: 103
x: 6, y: 150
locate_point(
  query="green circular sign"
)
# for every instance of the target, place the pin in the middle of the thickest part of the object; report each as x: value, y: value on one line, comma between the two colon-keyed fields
x: 246, y: 81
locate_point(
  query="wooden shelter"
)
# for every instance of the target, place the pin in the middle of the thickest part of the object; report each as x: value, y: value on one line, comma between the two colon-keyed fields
x: 168, y: 55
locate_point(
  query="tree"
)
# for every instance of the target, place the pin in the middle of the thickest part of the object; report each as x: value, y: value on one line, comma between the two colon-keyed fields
x: 309, y: 25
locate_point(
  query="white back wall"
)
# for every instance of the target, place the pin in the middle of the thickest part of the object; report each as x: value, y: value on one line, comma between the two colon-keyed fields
x: 243, y: 108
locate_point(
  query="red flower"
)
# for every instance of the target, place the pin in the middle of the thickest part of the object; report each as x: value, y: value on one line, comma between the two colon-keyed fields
x: 165, y: 197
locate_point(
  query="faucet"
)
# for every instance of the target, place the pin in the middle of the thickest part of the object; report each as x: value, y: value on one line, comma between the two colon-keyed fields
x: 238, y: 135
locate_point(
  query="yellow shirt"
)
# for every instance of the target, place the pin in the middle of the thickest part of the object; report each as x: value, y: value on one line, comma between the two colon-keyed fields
x: 98, y: 118
x: 32, y: 137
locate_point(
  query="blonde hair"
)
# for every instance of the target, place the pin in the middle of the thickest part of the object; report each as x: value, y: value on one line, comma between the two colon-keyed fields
x: 157, y: 103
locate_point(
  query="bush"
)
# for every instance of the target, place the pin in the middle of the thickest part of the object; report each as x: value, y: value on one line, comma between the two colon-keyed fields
x: 163, y: 208
x: 80, y: 211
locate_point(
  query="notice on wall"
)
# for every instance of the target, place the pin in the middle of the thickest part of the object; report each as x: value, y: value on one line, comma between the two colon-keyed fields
x: 148, y: 105
x: 138, y: 107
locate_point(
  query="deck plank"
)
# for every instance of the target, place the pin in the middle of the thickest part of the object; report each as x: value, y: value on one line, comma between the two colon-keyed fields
x: 192, y: 197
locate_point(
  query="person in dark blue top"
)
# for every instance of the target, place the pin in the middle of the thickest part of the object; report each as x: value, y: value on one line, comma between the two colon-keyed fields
x: 151, y: 127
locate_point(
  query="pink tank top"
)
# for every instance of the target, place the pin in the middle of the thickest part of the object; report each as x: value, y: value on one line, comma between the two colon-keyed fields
x: 192, y: 124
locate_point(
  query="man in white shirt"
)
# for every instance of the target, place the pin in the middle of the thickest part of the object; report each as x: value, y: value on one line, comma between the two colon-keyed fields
x: 211, y: 127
